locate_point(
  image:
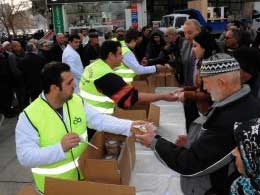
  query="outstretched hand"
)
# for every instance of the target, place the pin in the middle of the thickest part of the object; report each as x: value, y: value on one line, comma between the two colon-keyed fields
x: 146, y: 139
x: 170, y: 97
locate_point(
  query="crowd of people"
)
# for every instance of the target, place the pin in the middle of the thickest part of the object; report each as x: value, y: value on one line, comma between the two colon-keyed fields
x: 219, y: 87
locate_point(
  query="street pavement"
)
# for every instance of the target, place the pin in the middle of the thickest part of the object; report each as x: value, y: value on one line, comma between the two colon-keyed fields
x: 12, y: 174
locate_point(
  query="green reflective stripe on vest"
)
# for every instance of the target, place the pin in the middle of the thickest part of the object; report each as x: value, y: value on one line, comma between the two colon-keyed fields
x: 51, y: 130
x: 124, y: 71
x: 89, y: 91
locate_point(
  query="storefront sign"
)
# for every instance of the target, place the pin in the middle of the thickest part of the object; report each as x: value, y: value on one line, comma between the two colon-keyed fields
x: 57, y: 15
x: 134, y: 15
x: 50, y: 2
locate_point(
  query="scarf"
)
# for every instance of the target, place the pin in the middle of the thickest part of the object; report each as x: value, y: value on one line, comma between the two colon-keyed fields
x: 247, y: 136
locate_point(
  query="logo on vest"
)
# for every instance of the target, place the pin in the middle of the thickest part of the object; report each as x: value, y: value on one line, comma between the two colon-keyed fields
x: 77, y: 120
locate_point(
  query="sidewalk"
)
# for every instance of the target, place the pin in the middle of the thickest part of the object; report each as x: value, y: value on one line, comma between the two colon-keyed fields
x: 13, y: 175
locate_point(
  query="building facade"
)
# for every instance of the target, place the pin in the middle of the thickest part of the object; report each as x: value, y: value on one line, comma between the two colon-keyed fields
x: 69, y: 15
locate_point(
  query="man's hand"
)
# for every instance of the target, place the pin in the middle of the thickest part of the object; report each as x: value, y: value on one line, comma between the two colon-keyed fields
x: 161, y: 68
x: 182, y: 140
x: 69, y: 141
x: 146, y: 139
x: 179, y: 93
x: 170, y: 97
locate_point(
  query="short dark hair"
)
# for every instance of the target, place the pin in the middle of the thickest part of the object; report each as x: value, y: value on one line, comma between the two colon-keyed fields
x: 51, y: 75
x: 131, y: 34
x: 92, y: 30
x: 107, y: 47
x: 72, y: 37
x: 93, y: 35
x: 108, y: 35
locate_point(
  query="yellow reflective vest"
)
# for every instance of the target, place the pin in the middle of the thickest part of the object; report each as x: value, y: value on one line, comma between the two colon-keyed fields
x: 89, y: 91
x: 51, y: 129
x: 124, y: 71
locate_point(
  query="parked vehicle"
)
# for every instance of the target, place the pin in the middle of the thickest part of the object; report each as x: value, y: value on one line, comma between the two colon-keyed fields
x: 176, y: 20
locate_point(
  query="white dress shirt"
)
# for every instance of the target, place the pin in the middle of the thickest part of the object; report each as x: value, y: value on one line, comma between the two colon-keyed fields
x: 130, y: 60
x: 71, y: 57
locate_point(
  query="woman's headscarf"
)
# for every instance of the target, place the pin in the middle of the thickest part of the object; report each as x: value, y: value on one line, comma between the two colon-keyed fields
x: 247, y: 136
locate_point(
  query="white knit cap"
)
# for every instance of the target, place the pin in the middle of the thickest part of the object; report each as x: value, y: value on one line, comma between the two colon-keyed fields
x: 217, y: 64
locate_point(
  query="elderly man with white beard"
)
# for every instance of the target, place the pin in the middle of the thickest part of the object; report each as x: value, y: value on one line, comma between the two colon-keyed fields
x: 205, y: 160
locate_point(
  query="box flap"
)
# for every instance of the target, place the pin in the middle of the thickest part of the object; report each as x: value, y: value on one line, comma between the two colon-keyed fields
x: 131, y: 147
x: 154, y: 114
x: 124, y: 164
x: 130, y: 114
x: 27, y: 190
x: 66, y: 187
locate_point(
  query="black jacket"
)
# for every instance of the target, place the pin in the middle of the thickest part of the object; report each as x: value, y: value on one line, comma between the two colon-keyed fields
x: 215, y: 143
x: 31, y: 66
x: 56, y: 53
x: 90, y: 53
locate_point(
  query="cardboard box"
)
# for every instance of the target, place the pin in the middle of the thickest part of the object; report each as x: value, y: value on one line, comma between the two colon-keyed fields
x: 142, y: 86
x: 164, y: 79
x: 153, y: 114
x: 27, y: 190
x: 116, y: 171
x: 142, y: 77
x: 96, y: 169
x: 156, y: 80
x: 66, y: 187
x: 170, y: 80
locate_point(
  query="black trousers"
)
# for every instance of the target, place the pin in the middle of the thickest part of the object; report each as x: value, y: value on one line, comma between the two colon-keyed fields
x: 6, y: 98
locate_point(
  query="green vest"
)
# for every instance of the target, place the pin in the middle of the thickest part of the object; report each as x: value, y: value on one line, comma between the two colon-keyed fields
x: 89, y: 91
x: 124, y: 71
x: 123, y: 44
x: 51, y: 129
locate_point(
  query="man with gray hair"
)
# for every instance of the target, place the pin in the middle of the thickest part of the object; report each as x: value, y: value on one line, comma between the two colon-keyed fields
x: 205, y: 161
x: 171, y: 52
x: 191, y: 28
x: 58, y: 47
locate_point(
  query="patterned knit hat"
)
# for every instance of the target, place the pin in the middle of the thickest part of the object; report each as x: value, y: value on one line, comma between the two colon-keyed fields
x: 217, y: 64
